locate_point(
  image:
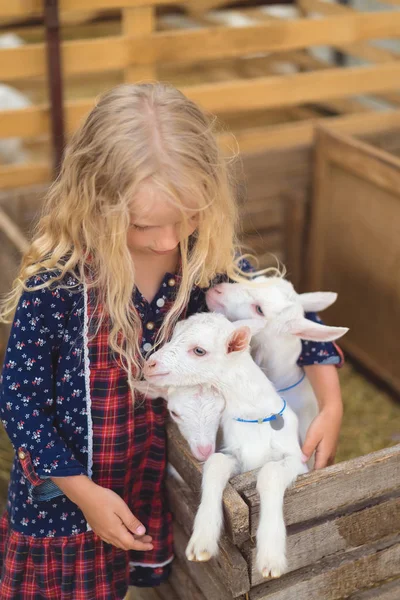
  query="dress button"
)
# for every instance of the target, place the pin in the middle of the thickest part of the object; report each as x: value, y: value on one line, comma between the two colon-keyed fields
x: 21, y: 455
x: 171, y: 282
x: 147, y: 347
x: 150, y: 326
x: 160, y: 302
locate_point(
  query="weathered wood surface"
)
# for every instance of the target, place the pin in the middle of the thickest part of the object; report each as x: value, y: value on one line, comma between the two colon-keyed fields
x: 356, y: 183
x: 332, y: 490
x: 308, y: 546
x: 183, y: 584
x: 167, y: 592
x: 388, y: 591
x: 229, y: 566
x: 338, y: 577
x: 200, y: 572
x: 235, y: 509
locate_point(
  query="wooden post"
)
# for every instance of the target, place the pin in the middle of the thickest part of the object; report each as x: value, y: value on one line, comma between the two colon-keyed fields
x: 136, y: 22
x: 55, y: 83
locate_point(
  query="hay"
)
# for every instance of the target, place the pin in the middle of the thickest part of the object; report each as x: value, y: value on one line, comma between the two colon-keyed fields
x: 371, y: 417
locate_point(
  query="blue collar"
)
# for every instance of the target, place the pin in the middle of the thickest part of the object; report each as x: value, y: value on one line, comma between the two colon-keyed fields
x: 259, y: 421
x: 294, y: 385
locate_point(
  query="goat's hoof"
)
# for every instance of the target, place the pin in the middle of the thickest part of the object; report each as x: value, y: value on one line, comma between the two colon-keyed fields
x: 273, y: 567
x: 199, y: 557
x: 273, y: 574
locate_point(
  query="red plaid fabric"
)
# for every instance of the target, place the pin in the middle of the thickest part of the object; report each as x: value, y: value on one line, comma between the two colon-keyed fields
x: 129, y: 448
x: 127, y: 453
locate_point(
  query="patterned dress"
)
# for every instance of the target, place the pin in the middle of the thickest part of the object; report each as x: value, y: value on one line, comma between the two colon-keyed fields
x: 68, y: 410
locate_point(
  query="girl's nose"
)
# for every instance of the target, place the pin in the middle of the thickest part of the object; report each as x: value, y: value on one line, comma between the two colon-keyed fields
x: 168, y: 241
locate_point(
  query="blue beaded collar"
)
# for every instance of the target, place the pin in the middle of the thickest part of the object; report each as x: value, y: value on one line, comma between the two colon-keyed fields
x: 259, y: 421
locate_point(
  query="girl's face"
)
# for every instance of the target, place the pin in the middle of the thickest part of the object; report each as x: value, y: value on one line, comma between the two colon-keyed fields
x: 156, y: 223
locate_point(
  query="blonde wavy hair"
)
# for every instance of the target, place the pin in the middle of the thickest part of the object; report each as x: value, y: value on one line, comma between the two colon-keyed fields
x: 135, y: 133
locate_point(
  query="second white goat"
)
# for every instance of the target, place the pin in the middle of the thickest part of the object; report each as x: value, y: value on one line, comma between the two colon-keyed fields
x: 280, y: 310
x: 259, y: 429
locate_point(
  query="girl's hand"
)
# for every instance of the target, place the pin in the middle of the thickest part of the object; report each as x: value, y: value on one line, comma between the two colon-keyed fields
x: 111, y: 519
x: 107, y: 514
x: 322, y: 437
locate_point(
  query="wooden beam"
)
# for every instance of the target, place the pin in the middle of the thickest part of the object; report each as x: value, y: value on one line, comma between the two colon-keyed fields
x: 275, y: 137
x: 334, y: 489
x: 16, y: 176
x: 232, y: 96
x: 29, y: 8
x: 309, y: 545
x: 338, y: 577
x: 116, y: 53
x: 268, y: 92
x: 137, y: 22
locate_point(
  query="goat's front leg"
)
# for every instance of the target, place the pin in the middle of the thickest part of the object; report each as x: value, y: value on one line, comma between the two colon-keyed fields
x: 272, y: 481
x: 203, y: 544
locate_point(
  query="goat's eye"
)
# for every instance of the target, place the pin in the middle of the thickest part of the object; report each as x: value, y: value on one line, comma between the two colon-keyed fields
x: 199, y: 351
x: 174, y: 414
x: 259, y: 310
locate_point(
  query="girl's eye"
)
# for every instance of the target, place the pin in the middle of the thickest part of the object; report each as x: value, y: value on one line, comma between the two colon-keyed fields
x: 259, y: 310
x: 139, y: 228
x: 199, y: 351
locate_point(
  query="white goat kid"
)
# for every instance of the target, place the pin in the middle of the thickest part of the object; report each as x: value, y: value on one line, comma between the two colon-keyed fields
x: 258, y: 431
x: 276, y: 348
x: 196, y: 410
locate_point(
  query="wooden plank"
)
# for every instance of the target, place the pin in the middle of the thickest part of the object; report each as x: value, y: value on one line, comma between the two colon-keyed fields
x: 388, y: 591
x: 13, y: 176
x: 364, y: 51
x: 378, y: 166
x: 236, y: 511
x: 114, y: 53
x: 183, y: 584
x: 295, y: 89
x: 29, y: 8
x: 229, y: 566
x: 139, y: 21
x: 34, y: 122
x: 166, y: 592
x: 363, y: 182
x: 294, y: 234
x: 331, y: 490
x: 338, y: 577
x: 308, y: 546
x: 269, y: 36
x: 200, y: 572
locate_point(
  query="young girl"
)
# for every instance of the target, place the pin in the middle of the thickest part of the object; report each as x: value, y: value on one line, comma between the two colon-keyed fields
x: 139, y: 223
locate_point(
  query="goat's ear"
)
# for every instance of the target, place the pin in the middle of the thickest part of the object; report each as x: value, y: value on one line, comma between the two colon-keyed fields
x: 239, y: 340
x: 255, y: 325
x: 308, y: 330
x: 316, y: 301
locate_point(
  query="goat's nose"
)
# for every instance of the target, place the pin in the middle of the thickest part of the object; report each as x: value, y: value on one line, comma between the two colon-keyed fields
x: 205, y: 451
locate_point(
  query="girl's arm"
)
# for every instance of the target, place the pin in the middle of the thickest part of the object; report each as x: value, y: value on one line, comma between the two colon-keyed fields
x: 28, y: 390
x: 323, y: 433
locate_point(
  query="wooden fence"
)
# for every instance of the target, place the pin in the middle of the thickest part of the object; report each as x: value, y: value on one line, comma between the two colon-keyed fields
x: 147, y: 45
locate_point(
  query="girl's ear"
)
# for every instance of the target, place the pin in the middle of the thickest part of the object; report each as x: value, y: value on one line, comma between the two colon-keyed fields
x: 239, y: 340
